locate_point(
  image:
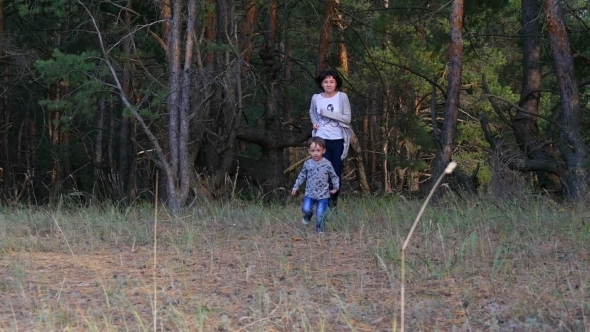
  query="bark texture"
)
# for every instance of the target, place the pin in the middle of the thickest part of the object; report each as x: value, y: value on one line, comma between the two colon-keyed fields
x: 449, y: 129
x: 571, y: 146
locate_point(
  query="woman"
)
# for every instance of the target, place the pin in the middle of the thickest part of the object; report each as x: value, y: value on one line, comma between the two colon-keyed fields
x: 330, y: 115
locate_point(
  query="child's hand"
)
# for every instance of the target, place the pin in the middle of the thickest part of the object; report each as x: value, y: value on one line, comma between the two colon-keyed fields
x: 294, y: 192
x: 333, y: 191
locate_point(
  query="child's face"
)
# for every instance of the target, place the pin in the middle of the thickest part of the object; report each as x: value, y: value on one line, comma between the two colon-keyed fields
x: 316, y: 151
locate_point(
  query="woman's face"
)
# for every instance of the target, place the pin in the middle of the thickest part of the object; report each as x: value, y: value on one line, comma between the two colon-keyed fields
x: 329, y: 84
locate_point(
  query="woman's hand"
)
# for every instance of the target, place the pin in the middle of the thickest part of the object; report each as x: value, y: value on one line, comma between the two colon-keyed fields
x: 316, y: 126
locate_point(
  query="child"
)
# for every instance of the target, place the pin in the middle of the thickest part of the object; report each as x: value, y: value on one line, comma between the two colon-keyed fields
x: 316, y: 172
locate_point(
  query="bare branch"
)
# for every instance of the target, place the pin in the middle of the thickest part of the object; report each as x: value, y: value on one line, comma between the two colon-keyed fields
x: 124, y: 99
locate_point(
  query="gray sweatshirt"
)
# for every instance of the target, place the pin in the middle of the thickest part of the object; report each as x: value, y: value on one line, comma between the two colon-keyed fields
x: 316, y: 174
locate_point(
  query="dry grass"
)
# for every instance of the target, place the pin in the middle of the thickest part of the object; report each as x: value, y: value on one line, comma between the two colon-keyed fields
x: 472, y: 266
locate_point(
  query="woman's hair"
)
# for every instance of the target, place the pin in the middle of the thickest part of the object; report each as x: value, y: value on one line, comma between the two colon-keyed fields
x: 329, y: 72
x: 318, y: 141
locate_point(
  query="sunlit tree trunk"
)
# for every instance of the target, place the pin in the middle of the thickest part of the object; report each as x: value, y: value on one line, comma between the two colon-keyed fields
x: 325, y: 36
x: 342, y: 50
x: 247, y: 31
x: 571, y: 145
x: 166, y: 18
x: 447, y: 135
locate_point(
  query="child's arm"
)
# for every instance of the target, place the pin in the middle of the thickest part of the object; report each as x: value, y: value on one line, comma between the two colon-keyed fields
x: 300, y: 179
x: 335, y: 179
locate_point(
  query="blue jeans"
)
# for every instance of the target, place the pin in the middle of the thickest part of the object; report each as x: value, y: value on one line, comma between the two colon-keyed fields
x: 307, y: 209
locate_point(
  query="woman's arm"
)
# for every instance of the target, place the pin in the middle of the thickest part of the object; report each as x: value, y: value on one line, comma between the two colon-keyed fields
x: 313, y: 112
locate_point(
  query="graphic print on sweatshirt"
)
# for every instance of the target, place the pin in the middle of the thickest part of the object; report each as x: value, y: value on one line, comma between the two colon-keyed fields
x: 316, y: 175
x: 324, y: 121
x: 329, y: 128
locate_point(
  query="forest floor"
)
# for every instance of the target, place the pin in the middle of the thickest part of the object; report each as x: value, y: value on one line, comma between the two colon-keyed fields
x: 224, y: 277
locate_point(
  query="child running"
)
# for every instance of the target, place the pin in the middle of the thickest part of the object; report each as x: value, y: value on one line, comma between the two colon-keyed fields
x: 316, y: 172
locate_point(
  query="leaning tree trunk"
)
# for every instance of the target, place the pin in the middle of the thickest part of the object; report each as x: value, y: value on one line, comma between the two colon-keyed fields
x: 449, y: 129
x: 571, y: 146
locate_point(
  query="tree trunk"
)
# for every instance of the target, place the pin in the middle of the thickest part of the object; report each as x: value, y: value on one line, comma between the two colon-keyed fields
x: 447, y: 135
x: 55, y: 174
x: 247, y: 32
x: 5, y: 117
x: 69, y: 181
x: 98, y: 151
x: 31, y: 153
x: 4, y: 129
x: 166, y: 18
x: 110, y: 151
x: 526, y: 130
x: 124, y: 173
x: 571, y: 146
x: 174, y: 86
x: 272, y: 154
x: 342, y: 50
x: 185, y: 163
x: 343, y: 63
x: 325, y: 36
x: 385, y: 138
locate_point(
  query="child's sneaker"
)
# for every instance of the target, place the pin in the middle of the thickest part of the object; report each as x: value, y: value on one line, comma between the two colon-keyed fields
x: 305, y: 221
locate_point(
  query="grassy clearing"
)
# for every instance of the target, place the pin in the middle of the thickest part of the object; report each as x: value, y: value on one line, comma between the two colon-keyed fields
x: 476, y: 265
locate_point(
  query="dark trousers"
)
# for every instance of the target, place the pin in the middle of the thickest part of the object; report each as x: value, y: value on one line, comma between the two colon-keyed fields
x: 334, y: 150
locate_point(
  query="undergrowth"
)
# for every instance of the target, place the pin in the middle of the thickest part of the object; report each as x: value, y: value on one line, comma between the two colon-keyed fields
x: 474, y: 264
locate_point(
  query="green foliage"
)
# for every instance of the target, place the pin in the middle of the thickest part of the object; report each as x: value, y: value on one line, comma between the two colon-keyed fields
x: 395, y: 56
x: 76, y: 79
x: 476, y: 6
x: 58, y: 8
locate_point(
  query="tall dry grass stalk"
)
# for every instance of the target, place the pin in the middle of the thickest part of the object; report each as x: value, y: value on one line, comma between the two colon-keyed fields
x: 62, y: 232
x: 450, y: 167
x: 154, y: 307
